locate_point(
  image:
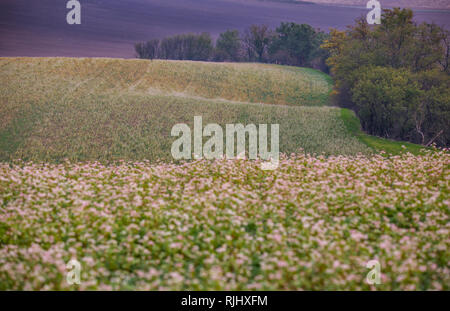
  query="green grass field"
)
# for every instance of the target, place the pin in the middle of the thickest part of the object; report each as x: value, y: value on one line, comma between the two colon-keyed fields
x: 107, y: 109
x: 389, y: 147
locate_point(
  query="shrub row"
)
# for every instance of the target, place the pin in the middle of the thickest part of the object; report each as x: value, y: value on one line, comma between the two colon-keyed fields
x: 289, y: 44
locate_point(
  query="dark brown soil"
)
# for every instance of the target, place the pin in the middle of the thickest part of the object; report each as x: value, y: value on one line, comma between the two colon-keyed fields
x: 111, y: 27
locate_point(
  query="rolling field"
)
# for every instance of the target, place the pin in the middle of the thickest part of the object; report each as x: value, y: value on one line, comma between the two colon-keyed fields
x: 105, y: 109
x: 80, y: 178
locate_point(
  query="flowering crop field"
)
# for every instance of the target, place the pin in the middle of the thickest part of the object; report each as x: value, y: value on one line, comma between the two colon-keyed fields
x: 312, y: 224
x: 81, y: 190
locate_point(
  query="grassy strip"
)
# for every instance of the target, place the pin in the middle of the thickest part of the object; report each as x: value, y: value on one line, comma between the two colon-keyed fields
x: 376, y: 143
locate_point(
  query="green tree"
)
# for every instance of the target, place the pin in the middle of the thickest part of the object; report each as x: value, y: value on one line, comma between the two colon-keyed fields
x: 256, y: 42
x: 432, y: 117
x: 298, y: 42
x: 228, y: 46
x: 385, y: 98
x: 398, y: 42
x: 187, y: 47
x: 405, y: 94
x: 147, y: 50
x: 400, y: 104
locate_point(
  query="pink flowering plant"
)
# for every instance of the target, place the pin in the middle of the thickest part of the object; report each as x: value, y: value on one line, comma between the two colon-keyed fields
x: 311, y: 224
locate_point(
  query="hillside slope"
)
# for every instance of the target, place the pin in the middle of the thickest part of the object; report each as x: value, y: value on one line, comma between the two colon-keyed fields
x: 110, y: 109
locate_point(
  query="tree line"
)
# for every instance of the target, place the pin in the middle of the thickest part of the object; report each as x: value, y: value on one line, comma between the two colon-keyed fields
x: 289, y: 44
x: 395, y: 76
